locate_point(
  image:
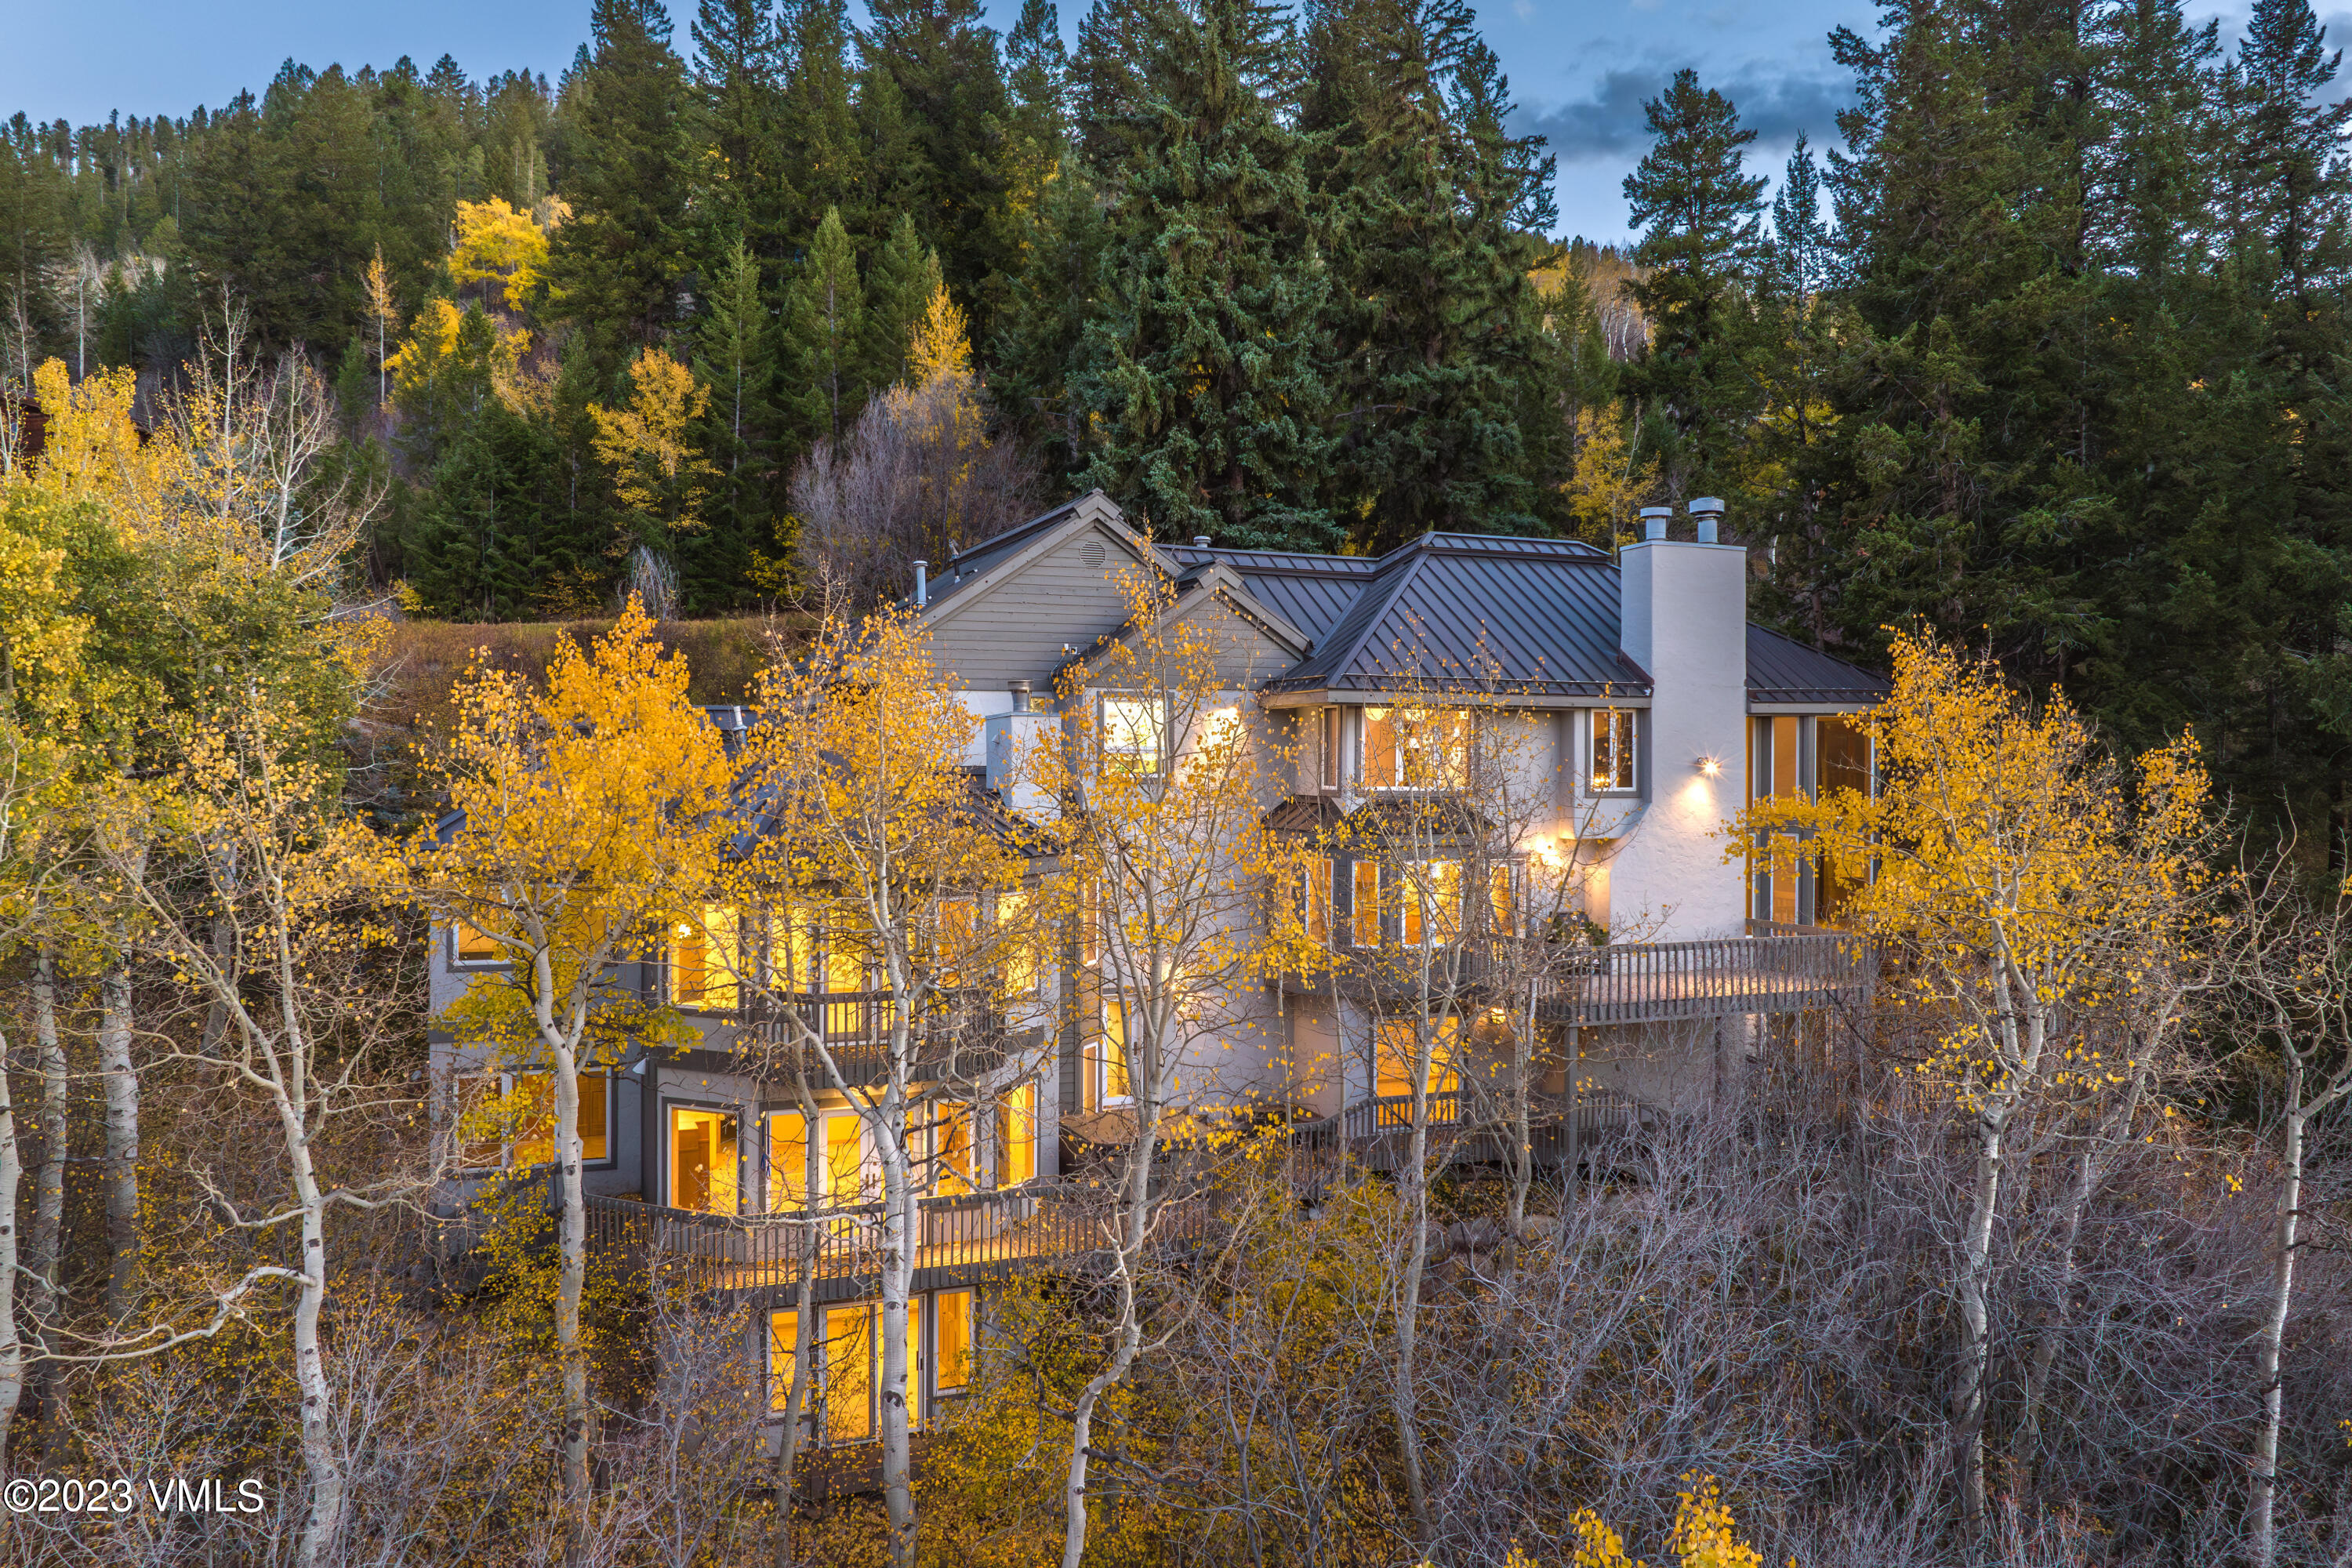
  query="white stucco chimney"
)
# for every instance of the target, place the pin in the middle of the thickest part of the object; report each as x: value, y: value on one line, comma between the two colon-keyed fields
x: 1684, y: 619
x: 1013, y: 740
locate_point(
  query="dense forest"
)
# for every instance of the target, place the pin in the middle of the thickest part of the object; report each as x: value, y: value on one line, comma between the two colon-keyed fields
x: 2049, y: 355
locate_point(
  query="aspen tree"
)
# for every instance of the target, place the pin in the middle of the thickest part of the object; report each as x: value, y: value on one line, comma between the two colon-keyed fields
x: 2029, y: 881
x: 588, y: 816
x: 869, y: 834
x: 2294, y: 989
x: 1169, y: 776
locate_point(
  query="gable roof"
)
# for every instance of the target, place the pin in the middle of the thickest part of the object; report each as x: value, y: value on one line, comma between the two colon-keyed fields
x: 1783, y: 670
x: 1527, y: 619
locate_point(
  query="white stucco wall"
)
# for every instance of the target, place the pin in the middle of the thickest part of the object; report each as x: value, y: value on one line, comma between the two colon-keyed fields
x: 1685, y: 622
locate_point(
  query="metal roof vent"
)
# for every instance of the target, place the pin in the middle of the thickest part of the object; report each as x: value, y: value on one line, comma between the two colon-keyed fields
x: 1199, y: 542
x: 1654, y: 520
x: 1706, y: 511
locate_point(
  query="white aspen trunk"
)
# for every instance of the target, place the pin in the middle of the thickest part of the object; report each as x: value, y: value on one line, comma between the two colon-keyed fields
x: 788, y: 1446
x: 1976, y: 1318
x: 320, y: 1460
x: 1406, y: 1392
x: 120, y: 1164
x: 12, y: 1348
x: 2270, y: 1354
x: 573, y: 1279
x: 1523, y: 1148
x: 2028, y: 1443
x: 43, y: 1245
x: 1134, y: 1219
x: 897, y: 1244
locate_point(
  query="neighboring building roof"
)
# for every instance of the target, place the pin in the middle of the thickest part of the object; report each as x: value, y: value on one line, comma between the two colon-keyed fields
x: 1310, y: 592
x: 1783, y: 670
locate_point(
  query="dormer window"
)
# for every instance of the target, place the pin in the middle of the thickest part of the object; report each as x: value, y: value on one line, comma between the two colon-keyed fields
x: 1613, y: 751
x: 1134, y: 734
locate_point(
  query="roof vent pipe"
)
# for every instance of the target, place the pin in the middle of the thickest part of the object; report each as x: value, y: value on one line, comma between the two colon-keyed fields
x: 1654, y: 520
x: 1706, y: 511
x: 922, y: 588
x: 1199, y: 542
x: 1020, y: 690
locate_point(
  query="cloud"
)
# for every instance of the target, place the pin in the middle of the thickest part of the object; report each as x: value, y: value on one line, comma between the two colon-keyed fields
x: 1776, y: 105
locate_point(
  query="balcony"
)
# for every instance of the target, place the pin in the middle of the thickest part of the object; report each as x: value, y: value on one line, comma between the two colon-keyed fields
x: 963, y: 1034
x: 1561, y: 1127
x: 1619, y: 982
x: 959, y: 1241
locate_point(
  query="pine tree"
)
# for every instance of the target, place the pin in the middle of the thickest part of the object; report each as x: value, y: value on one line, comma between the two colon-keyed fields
x: 1066, y: 245
x: 1203, y: 375
x: 899, y: 283
x: 1700, y: 244
x: 627, y: 171
x: 738, y: 69
x: 735, y: 358
x: 819, y: 134
x: 823, y: 329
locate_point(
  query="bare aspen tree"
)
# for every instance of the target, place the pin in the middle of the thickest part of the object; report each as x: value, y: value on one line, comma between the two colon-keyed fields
x: 586, y: 819
x: 1181, y: 899
x: 2029, y: 882
x: 294, y: 883
x: 873, y: 853
x: 2294, y: 990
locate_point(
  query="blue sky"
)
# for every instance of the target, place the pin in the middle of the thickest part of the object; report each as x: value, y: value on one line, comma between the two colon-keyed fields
x: 1581, y: 68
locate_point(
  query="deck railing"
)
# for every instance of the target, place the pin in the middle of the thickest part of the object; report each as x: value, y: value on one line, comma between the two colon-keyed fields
x: 1657, y: 982
x: 1556, y: 1124
x: 958, y: 1240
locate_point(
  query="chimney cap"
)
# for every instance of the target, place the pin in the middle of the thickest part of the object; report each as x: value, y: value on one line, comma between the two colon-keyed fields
x: 1707, y: 506
x: 1657, y: 512
x: 1199, y: 542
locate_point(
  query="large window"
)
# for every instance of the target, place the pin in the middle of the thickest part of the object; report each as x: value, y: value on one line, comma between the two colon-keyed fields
x: 848, y: 1357
x: 1364, y: 911
x: 954, y: 1169
x: 705, y: 1161
x: 1105, y: 1059
x: 1020, y: 953
x: 1416, y: 748
x: 1397, y: 1043
x: 1613, y: 751
x: 468, y: 945
x: 1314, y: 899
x: 1016, y: 1134
x: 1134, y: 734
x: 518, y: 1130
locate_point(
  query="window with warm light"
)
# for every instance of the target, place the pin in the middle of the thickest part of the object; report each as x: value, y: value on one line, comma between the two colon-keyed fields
x: 783, y: 1357
x: 951, y: 1367
x: 1415, y: 748
x: 468, y: 945
x: 1332, y: 718
x: 532, y: 1140
x: 1431, y: 900
x: 1021, y: 967
x: 1314, y: 899
x: 705, y: 1173
x: 1613, y: 750
x: 705, y: 956
x: 1364, y: 913
x: 953, y: 1168
x: 1398, y: 1045
x: 1016, y: 1135
x: 849, y: 1355
x: 1134, y: 734
x: 1108, y: 1082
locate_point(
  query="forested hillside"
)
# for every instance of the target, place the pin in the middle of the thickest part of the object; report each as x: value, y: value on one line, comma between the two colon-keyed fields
x: 2049, y: 355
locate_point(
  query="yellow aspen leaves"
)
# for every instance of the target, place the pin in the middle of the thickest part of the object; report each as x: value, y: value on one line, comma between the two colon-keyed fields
x: 648, y: 443
x: 940, y: 344
x: 499, y: 244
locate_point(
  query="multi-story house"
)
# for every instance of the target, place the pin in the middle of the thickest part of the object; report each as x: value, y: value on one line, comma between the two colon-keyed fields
x: 1641, y: 711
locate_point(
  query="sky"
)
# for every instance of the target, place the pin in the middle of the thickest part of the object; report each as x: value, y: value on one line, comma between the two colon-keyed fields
x: 1580, y: 69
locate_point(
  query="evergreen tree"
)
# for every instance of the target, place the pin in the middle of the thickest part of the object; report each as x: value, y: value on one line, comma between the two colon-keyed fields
x: 739, y: 70
x: 823, y: 352
x: 628, y: 170
x: 899, y: 283
x: 819, y: 134
x: 1203, y: 377
x: 735, y: 358
x: 1697, y: 209
x: 1059, y: 288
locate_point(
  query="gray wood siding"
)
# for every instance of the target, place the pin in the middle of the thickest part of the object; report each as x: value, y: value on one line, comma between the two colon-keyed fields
x: 1015, y: 629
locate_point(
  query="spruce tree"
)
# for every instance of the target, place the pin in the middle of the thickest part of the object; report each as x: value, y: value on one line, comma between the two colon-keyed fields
x: 735, y: 358
x: 819, y: 134
x: 628, y: 170
x: 1204, y: 376
x: 899, y: 283
x: 738, y: 72
x: 824, y: 338
x: 1058, y: 291
x: 1697, y: 209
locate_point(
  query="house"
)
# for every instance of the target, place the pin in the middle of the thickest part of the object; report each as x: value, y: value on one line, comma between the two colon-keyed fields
x: 1641, y: 709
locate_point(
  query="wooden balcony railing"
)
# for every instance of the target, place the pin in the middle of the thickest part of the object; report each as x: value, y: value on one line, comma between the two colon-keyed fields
x: 1658, y: 982
x: 959, y: 1241
x: 964, y: 1030
x: 1556, y: 1124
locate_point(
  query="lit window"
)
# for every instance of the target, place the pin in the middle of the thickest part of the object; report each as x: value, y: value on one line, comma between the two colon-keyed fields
x: 953, y: 1364
x: 1399, y: 1047
x: 1612, y: 749
x: 958, y: 936
x: 849, y: 1355
x: 703, y: 1153
x: 1134, y: 734
x: 1314, y: 899
x: 1016, y: 1135
x: 1364, y: 920
x: 783, y: 1357
x: 788, y: 1149
x: 1380, y: 747
x: 529, y: 1120
x: 704, y: 955
x: 470, y: 946
x: 1501, y: 902
x: 844, y: 1160
x: 1020, y: 948
x: 1331, y: 717
x: 1416, y: 748
x: 1433, y: 889
x: 1106, y: 1059
x: 953, y: 1151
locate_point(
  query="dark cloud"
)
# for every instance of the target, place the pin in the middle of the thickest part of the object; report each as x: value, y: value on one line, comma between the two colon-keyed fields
x: 1610, y: 124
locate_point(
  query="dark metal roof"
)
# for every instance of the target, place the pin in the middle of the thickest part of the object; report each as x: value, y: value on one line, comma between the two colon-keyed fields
x: 1310, y: 592
x: 1475, y: 612
x: 1782, y: 670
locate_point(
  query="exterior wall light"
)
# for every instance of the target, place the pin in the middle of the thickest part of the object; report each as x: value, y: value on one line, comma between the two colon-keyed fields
x: 1711, y: 766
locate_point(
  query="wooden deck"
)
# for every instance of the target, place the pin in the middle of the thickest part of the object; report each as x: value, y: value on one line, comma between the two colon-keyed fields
x: 1663, y: 982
